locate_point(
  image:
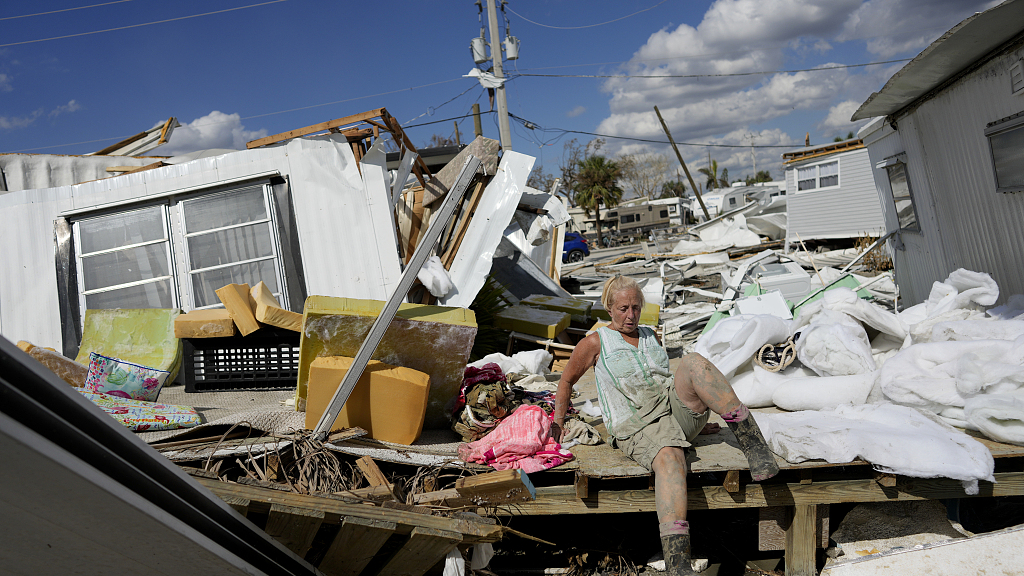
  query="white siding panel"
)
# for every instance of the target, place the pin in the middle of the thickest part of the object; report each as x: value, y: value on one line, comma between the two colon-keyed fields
x: 848, y: 211
x: 28, y: 272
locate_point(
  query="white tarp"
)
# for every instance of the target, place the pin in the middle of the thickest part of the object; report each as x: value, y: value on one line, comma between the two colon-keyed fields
x: 894, y: 439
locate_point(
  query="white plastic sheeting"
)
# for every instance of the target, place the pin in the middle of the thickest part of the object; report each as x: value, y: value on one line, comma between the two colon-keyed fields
x: 895, y: 439
x: 732, y: 342
x: 498, y: 203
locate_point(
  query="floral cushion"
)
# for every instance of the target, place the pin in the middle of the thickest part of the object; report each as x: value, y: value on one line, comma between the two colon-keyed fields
x: 123, y: 379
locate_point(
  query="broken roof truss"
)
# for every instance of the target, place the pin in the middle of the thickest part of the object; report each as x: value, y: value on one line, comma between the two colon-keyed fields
x: 360, y: 130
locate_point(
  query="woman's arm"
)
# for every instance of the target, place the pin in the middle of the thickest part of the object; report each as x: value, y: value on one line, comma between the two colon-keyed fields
x: 583, y: 358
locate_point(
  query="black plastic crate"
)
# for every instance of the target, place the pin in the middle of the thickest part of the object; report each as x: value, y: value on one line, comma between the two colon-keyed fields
x: 267, y: 359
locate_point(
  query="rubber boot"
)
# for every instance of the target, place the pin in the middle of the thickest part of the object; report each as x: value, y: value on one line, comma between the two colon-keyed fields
x: 676, y: 549
x: 759, y: 456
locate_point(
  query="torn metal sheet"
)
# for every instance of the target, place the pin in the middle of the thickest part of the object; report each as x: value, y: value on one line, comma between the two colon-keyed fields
x: 520, y: 275
x: 402, y: 174
x: 378, y: 199
x: 497, y: 205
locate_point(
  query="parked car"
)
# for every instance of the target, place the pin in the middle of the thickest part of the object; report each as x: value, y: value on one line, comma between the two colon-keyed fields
x: 576, y: 247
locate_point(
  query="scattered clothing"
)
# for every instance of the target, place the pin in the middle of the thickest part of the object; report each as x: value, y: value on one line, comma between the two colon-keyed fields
x: 522, y: 440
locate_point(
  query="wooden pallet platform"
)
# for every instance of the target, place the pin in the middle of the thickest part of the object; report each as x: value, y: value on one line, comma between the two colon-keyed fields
x: 347, y: 539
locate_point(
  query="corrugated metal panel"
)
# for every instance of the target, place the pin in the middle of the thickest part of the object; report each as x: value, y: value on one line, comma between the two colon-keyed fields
x: 848, y: 211
x: 975, y: 227
x: 32, y: 171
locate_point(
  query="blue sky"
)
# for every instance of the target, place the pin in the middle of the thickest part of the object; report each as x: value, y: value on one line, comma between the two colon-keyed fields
x: 258, y: 68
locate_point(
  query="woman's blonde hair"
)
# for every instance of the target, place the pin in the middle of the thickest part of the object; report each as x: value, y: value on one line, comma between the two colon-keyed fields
x: 617, y: 284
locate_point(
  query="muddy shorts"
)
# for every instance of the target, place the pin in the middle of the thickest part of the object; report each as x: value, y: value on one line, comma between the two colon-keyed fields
x: 676, y: 429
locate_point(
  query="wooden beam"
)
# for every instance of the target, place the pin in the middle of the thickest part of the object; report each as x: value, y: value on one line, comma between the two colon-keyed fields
x: 563, y: 500
x: 355, y: 546
x: 294, y: 527
x: 502, y: 487
x: 355, y: 118
x: 425, y: 548
x: 774, y: 521
x: 261, y: 499
x: 732, y: 481
x: 801, y: 552
x: 582, y: 484
x: 886, y: 480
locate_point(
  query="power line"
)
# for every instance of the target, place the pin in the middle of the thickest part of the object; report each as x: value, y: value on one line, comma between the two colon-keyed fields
x: 756, y: 73
x: 64, y: 10
x: 650, y: 140
x: 588, y: 25
x: 116, y: 138
x: 140, y: 25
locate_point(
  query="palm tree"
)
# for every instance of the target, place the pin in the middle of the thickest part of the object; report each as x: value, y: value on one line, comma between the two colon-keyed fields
x: 596, y: 184
x: 711, y: 172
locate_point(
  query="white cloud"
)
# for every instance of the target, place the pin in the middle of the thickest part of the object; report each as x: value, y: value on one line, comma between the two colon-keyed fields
x: 13, y: 122
x: 5, y: 83
x: 838, y: 119
x: 71, y: 106
x: 892, y: 27
x: 737, y: 36
x: 215, y: 130
x: 575, y: 111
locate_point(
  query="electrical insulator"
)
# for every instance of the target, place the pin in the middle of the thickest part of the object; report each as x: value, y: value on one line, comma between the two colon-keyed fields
x: 511, y: 47
x: 479, y: 49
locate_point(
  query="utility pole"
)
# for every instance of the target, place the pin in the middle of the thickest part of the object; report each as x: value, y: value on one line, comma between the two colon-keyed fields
x: 753, y: 159
x: 504, y: 128
x: 477, y: 126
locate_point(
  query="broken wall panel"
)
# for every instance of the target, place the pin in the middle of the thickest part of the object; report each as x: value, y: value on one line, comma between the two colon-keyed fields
x: 472, y: 264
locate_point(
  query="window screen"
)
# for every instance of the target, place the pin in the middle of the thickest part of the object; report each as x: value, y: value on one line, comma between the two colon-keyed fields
x: 807, y: 178
x: 125, y: 259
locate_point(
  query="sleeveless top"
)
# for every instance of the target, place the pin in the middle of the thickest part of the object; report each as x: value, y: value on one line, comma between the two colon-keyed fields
x: 632, y: 382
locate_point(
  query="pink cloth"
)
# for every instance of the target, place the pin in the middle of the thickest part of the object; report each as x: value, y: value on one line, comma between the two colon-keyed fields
x: 522, y: 440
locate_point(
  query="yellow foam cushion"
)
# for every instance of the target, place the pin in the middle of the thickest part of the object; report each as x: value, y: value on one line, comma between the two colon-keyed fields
x: 389, y: 402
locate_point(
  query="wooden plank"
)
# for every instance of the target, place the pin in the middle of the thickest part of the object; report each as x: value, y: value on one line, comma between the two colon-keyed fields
x: 886, y: 480
x: 800, y: 549
x: 241, y: 505
x: 563, y: 500
x: 458, y: 233
x: 355, y: 118
x: 425, y: 548
x: 497, y: 487
x: 582, y: 485
x: 355, y: 546
x: 294, y: 527
x: 371, y: 472
x: 262, y: 499
x: 732, y: 481
x: 483, y: 148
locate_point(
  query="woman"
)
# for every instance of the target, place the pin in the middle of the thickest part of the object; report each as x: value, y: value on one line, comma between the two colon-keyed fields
x: 651, y: 415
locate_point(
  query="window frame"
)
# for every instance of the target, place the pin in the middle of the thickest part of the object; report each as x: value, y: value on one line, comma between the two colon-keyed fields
x: 176, y: 238
x: 1010, y: 124
x: 817, y: 176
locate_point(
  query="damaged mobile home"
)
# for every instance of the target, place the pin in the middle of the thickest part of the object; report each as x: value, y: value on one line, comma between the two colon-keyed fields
x: 408, y: 322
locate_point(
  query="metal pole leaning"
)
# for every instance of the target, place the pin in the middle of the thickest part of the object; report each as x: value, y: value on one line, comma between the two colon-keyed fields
x: 685, y: 169
x: 380, y: 325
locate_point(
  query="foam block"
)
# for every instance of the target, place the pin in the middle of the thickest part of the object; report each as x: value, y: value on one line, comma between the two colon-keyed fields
x: 240, y: 306
x: 435, y: 340
x: 533, y: 321
x: 389, y: 402
x: 648, y: 316
x: 142, y: 336
x: 269, y: 311
x: 578, y: 309
x: 67, y: 369
x: 211, y: 323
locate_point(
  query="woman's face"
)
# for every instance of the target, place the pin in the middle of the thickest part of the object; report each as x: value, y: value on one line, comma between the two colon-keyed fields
x: 626, y: 306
